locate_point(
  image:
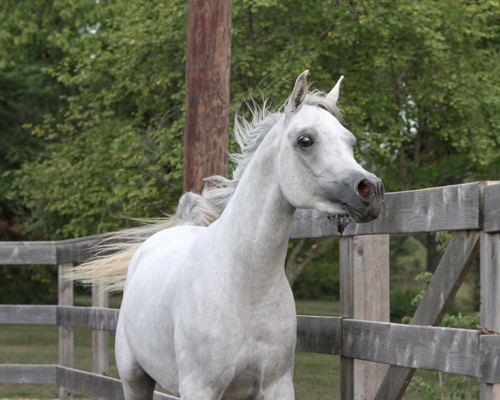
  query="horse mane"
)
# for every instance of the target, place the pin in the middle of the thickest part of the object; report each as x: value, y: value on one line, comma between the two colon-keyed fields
x: 111, y: 257
x: 249, y: 135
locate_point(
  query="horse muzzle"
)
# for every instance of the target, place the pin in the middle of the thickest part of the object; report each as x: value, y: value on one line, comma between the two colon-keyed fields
x: 362, y: 196
x: 370, y: 197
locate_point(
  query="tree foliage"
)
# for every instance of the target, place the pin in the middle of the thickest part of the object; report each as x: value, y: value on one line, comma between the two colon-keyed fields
x: 421, y: 94
x: 30, y: 45
x: 115, y: 147
x: 428, y: 95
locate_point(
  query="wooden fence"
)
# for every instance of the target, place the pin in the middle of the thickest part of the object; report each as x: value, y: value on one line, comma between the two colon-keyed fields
x: 378, y: 358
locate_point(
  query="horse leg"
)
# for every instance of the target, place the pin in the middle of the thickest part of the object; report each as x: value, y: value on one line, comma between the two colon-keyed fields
x: 194, y: 390
x: 196, y: 386
x: 282, y: 389
x: 137, y: 384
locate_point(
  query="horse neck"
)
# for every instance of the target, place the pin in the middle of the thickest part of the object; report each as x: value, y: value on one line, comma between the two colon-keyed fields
x: 255, y: 226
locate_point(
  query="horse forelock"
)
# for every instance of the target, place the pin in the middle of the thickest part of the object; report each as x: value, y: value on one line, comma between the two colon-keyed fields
x: 317, y: 98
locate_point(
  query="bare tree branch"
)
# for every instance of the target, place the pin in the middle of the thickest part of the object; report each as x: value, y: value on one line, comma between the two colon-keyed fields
x: 303, y: 253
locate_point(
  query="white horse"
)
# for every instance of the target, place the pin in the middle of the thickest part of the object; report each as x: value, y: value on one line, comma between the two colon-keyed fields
x: 207, y: 311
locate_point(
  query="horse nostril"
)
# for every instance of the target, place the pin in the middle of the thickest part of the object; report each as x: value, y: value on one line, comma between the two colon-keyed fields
x: 364, y: 190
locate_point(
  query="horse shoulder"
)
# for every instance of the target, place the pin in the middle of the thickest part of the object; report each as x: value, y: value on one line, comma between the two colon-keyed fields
x: 164, y: 247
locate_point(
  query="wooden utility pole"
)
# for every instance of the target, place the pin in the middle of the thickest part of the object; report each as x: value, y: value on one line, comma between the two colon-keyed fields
x: 207, y: 91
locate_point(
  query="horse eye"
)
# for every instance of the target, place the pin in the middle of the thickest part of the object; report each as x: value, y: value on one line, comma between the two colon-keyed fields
x: 305, y: 141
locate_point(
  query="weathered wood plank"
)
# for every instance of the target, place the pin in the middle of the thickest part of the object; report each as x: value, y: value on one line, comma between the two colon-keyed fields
x: 453, y: 207
x: 365, y: 268
x: 100, y: 339
x: 89, y: 383
x: 490, y: 296
x: 48, y: 252
x: 448, y: 350
x: 395, y: 383
x: 492, y: 208
x: 448, y: 208
x: 31, y: 315
x: 346, y: 250
x: 489, y: 349
x: 346, y: 247
x: 81, y: 317
x: 28, y: 253
x: 65, y: 298
x: 96, y: 385
x: 371, y: 303
x: 311, y: 223
x: 28, y: 373
x: 449, y: 275
x: 79, y: 249
x: 490, y: 280
x: 319, y: 334
x: 104, y: 319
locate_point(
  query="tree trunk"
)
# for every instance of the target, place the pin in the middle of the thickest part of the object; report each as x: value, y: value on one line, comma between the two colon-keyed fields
x: 207, y: 91
x: 433, y: 255
x: 304, y: 252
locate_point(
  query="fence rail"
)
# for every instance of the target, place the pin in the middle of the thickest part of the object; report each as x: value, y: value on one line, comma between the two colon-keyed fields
x: 471, y: 210
x: 96, y: 385
x: 456, y: 351
x: 448, y: 208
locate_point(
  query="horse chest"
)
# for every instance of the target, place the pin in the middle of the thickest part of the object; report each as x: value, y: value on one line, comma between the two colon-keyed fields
x: 243, y: 346
x: 239, y: 311
x: 239, y: 367
x: 229, y: 321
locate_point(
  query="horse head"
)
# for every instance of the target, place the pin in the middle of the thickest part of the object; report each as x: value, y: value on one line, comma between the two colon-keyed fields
x: 316, y: 160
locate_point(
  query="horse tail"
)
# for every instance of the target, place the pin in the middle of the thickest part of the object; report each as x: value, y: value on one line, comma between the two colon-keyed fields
x: 109, y: 264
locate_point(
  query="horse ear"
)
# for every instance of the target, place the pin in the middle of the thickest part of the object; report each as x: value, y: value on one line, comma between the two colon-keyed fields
x: 298, y: 94
x: 332, y: 97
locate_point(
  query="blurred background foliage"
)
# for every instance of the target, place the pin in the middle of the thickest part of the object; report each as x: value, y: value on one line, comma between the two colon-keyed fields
x: 92, y: 107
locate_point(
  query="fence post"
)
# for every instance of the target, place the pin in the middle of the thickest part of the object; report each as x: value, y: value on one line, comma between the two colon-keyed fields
x: 100, y: 349
x: 364, y: 295
x: 490, y: 296
x: 65, y: 296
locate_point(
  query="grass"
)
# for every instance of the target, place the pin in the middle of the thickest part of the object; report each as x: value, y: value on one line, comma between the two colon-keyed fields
x: 37, y: 344
x: 324, y: 308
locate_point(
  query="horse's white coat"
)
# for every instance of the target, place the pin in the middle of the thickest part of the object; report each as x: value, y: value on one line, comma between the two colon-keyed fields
x: 207, y: 312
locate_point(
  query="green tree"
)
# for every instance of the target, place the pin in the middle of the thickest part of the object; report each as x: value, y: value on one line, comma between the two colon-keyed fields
x: 421, y: 94
x: 117, y: 151
x: 424, y: 98
x: 422, y: 88
x: 33, y: 39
